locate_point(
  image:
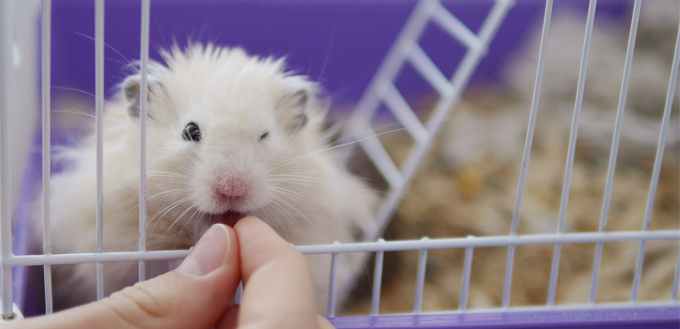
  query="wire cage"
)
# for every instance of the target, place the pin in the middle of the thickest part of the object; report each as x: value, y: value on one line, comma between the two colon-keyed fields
x: 447, y: 124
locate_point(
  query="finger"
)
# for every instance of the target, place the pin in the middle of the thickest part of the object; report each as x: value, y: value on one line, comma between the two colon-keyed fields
x: 193, y: 296
x: 229, y: 318
x: 277, y: 283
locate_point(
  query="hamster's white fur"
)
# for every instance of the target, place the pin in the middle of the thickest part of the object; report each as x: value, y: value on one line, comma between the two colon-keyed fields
x: 261, y: 151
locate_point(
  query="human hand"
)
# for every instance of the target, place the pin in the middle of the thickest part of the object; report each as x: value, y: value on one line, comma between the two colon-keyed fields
x: 277, y: 289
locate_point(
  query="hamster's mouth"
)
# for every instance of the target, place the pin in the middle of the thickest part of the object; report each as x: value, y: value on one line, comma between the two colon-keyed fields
x: 228, y: 218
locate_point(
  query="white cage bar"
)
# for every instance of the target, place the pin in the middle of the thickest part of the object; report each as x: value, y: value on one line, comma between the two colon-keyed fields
x: 676, y: 280
x: 510, y: 259
x: 46, y: 65
x: 143, y: 92
x: 377, y: 280
x: 420, y: 280
x: 672, y: 86
x: 402, y: 245
x: 5, y: 175
x: 99, y: 132
x: 333, y: 284
x: 566, y: 185
x: 615, y: 147
x: 464, y: 289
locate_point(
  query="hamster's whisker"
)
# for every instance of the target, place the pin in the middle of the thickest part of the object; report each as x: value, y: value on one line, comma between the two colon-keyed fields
x: 81, y: 92
x: 201, y: 217
x: 164, y: 175
x: 380, y: 128
x: 266, y: 214
x: 319, y: 183
x: 175, y: 221
x: 107, y: 46
x: 300, y: 182
x: 293, y: 205
x: 180, y: 191
x: 125, y: 181
x: 302, y: 220
x: 298, y: 158
x: 168, y: 173
x: 315, y: 179
x: 295, y: 197
x: 292, y: 219
x: 301, y: 176
x: 295, y: 178
x: 191, y: 219
x: 306, y: 177
x: 91, y: 116
x: 293, y: 160
x: 293, y: 182
x: 282, y: 212
x: 164, y: 211
x: 179, y: 234
x: 312, y: 181
x: 295, y: 174
x: 132, y: 179
x: 136, y: 206
x: 276, y: 217
x: 74, y: 111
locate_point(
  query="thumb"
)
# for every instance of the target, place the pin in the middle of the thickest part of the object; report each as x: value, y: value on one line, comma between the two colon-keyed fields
x: 193, y: 296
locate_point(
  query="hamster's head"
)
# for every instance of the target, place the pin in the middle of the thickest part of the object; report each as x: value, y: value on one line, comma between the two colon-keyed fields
x: 222, y: 125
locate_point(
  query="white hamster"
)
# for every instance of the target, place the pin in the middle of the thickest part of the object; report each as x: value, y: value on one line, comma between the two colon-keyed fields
x: 228, y: 134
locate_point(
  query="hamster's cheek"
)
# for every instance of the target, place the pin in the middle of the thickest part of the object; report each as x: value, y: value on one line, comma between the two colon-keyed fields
x: 260, y: 193
x: 201, y: 191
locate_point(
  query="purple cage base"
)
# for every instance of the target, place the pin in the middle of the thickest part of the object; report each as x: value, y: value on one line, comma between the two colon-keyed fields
x: 652, y: 318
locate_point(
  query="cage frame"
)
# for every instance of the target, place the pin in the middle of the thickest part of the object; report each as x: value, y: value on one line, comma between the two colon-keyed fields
x: 659, y: 314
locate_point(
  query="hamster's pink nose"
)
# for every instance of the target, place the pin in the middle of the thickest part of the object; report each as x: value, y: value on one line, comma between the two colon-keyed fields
x: 232, y: 186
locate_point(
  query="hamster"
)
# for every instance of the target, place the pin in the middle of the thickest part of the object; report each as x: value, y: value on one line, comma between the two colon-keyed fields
x: 229, y: 135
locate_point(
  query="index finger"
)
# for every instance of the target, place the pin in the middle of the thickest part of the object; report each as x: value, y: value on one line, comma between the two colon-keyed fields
x: 277, y: 282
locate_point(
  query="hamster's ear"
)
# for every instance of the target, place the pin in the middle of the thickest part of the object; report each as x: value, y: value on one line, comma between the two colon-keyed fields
x: 298, y: 103
x: 132, y: 93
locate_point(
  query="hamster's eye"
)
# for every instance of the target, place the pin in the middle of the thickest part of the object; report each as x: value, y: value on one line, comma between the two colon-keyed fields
x: 264, y: 136
x: 192, y: 133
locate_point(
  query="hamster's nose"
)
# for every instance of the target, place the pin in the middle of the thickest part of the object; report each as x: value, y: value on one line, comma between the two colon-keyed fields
x: 232, y: 186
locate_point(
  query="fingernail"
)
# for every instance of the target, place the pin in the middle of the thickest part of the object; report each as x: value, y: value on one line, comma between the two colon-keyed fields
x: 209, y: 254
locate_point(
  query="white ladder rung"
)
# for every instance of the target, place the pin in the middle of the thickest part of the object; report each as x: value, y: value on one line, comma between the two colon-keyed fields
x: 379, y: 156
x: 403, y: 112
x: 455, y: 27
x: 429, y: 70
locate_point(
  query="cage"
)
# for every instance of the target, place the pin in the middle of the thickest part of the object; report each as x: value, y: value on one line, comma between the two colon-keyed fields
x: 485, y: 175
